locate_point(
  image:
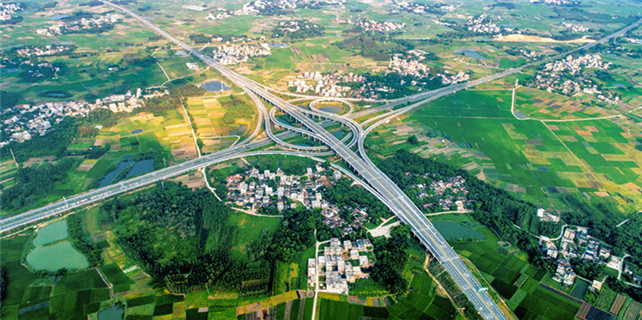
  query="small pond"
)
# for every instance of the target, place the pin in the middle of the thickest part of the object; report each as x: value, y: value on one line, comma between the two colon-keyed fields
x: 278, y: 45
x: 56, y: 256
x: 520, y: 115
x: 240, y: 130
x: 214, y: 86
x: 469, y: 53
x: 457, y: 231
x: 59, y: 17
x: 51, y: 233
x: 180, y: 53
x: 55, y: 94
x: 114, y: 312
x: 133, y: 168
x: 137, y: 131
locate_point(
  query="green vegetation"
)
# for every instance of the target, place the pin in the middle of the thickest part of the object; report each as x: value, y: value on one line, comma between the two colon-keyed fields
x: 303, y: 30
x: 35, y: 183
x: 194, y: 223
x: 375, y: 45
x: 391, y: 258
x: 342, y: 193
x: 489, y: 201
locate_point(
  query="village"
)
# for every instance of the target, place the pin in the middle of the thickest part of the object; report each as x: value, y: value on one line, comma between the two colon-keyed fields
x: 420, y: 8
x: 447, y: 194
x: 297, y: 29
x: 273, y: 192
x: 557, y: 2
x: 408, y: 67
x: 371, y: 25
x: 82, y: 25
x: 567, y: 77
x: 8, y: 9
x: 576, y: 243
x: 49, y: 50
x: 22, y: 122
x: 327, y: 84
x: 482, y: 24
x: 340, y: 264
x: 575, y: 27
x: 239, y: 53
x: 259, y: 7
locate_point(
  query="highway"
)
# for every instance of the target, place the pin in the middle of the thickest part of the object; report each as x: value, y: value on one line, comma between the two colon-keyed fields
x: 393, y: 197
x: 373, y: 179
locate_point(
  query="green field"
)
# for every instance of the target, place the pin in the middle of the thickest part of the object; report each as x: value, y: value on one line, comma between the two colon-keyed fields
x: 507, y: 270
x: 421, y: 302
x: 539, y: 159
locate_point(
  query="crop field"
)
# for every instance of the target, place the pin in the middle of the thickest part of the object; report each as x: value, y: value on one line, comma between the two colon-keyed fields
x: 633, y: 311
x: 579, y: 289
x: 141, y: 133
x: 421, y: 302
x: 7, y: 171
x: 86, y: 75
x: 538, y: 104
x: 538, y: 158
x: 219, y: 122
x: 507, y: 270
x: 312, y: 55
x: 75, y: 294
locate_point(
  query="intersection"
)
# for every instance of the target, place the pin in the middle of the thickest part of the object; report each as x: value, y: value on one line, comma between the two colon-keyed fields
x: 373, y: 179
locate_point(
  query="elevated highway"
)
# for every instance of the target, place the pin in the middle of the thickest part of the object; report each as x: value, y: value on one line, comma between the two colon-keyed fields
x: 394, y: 197
x: 373, y: 179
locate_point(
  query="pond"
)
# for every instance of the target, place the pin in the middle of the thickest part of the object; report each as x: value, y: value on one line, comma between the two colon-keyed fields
x: 214, y: 86
x: 469, y: 53
x: 180, y: 53
x: 457, y: 231
x: 59, y: 17
x: 332, y: 109
x: 51, y: 233
x: 133, y: 168
x: 55, y: 94
x: 56, y: 256
x: 520, y: 115
x: 114, y: 312
x: 137, y: 131
x: 278, y: 45
x: 240, y: 130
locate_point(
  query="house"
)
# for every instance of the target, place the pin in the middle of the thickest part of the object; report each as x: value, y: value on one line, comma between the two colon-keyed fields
x: 363, y: 262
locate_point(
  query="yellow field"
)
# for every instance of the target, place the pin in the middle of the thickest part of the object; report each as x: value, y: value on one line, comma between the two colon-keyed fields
x: 207, y: 114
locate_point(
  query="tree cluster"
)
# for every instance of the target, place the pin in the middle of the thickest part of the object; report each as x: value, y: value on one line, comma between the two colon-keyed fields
x: 305, y: 30
x: 34, y: 183
x: 375, y: 45
x: 166, y: 230
x: 401, y: 85
x: 4, y: 282
x: 82, y: 240
x: 342, y: 193
x: 295, y: 234
x: 391, y: 259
